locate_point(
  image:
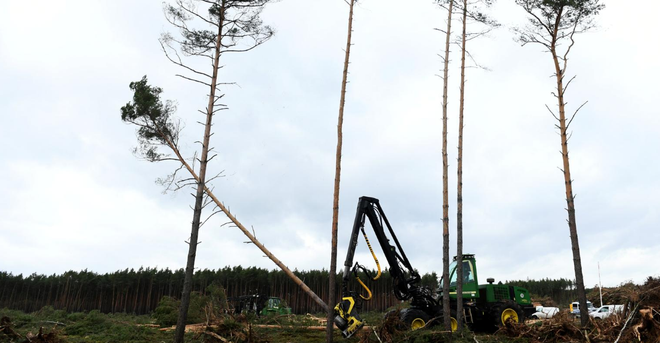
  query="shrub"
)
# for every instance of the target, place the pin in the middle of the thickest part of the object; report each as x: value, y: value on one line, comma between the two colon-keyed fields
x: 167, y: 311
x: 93, y: 323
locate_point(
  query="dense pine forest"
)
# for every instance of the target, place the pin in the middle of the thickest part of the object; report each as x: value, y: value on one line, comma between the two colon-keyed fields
x: 139, y: 291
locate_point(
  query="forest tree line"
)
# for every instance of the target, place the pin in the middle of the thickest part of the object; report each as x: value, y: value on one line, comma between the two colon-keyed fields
x: 139, y: 291
x: 550, y: 292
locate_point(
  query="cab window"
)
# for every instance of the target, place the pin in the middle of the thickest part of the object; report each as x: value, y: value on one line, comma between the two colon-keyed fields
x: 468, y: 274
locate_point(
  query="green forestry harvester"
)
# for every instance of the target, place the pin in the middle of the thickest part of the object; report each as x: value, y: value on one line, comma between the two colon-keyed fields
x: 485, y: 306
x: 275, y: 305
x: 259, y: 304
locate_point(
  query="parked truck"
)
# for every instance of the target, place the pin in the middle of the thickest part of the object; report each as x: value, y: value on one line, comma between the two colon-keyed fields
x: 606, y: 311
x: 574, y: 308
x: 543, y: 312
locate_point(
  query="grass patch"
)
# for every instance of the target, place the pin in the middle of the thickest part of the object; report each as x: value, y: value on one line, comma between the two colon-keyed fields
x: 91, y: 327
x: 96, y: 327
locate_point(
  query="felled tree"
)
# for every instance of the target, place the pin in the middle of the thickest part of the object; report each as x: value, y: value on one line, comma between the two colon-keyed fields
x: 148, y: 112
x: 229, y: 23
x: 233, y: 26
x: 553, y: 24
x: 156, y: 126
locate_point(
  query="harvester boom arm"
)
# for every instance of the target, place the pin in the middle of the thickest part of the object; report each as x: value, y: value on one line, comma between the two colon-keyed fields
x: 406, y: 281
x: 400, y: 268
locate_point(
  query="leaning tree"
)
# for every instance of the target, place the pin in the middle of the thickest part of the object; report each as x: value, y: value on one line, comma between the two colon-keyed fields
x: 157, y: 128
x: 208, y: 30
x: 227, y: 26
x: 553, y: 24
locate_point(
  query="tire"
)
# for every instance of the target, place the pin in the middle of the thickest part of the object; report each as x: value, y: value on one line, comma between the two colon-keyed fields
x: 414, y: 319
x: 454, y: 320
x: 521, y: 314
x: 505, y: 311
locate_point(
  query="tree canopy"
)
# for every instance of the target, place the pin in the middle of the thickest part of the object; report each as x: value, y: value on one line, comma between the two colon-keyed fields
x: 551, y: 21
x: 152, y: 117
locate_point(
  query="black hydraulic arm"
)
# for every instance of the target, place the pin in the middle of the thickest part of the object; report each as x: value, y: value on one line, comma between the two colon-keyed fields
x: 406, y: 281
x: 401, y: 270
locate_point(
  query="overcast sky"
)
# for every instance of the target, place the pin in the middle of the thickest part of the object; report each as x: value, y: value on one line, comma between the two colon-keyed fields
x: 73, y: 195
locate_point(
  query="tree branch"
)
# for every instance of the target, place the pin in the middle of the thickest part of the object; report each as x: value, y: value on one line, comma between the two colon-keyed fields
x: 575, y: 113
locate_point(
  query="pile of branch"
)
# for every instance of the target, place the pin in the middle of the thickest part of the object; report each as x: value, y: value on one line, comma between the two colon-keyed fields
x: 7, y: 331
x: 615, y: 295
x: 393, y: 330
x: 639, y: 322
x: 41, y: 337
x: 641, y: 319
x: 560, y: 328
x: 391, y: 327
x: 228, y: 328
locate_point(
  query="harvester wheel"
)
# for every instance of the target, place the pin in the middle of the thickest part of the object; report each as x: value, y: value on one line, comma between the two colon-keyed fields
x: 453, y: 321
x: 505, y: 311
x: 415, y: 319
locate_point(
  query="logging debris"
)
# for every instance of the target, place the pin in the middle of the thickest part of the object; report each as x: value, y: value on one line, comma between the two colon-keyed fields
x: 639, y: 322
x: 6, y: 330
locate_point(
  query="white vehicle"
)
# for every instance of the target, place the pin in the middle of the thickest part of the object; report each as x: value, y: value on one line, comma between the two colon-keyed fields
x: 575, y: 308
x: 606, y: 311
x: 544, y: 312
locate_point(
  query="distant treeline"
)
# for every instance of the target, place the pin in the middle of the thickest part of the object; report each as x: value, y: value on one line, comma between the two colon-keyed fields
x: 139, y: 291
x: 551, y: 292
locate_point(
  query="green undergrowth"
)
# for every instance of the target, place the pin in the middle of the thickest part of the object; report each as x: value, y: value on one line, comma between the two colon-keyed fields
x: 96, y: 327
x: 90, y: 327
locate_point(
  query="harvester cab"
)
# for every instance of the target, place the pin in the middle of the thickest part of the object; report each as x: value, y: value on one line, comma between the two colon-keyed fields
x: 470, y: 280
x: 275, y: 305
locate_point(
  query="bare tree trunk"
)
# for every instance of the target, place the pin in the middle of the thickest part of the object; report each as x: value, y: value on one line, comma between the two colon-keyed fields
x: 199, y: 196
x: 552, y: 22
x: 570, y: 199
x: 459, y: 181
x: 445, y: 184
x: 335, y: 203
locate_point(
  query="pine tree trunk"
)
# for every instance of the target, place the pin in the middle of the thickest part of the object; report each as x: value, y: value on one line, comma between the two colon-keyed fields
x: 570, y: 204
x: 459, y: 182
x: 570, y: 199
x: 66, y: 293
x: 114, y: 299
x: 445, y: 185
x: 148, y: 304
x: 137, y: 295
x: 199, y: 197
x: 335, y: 203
